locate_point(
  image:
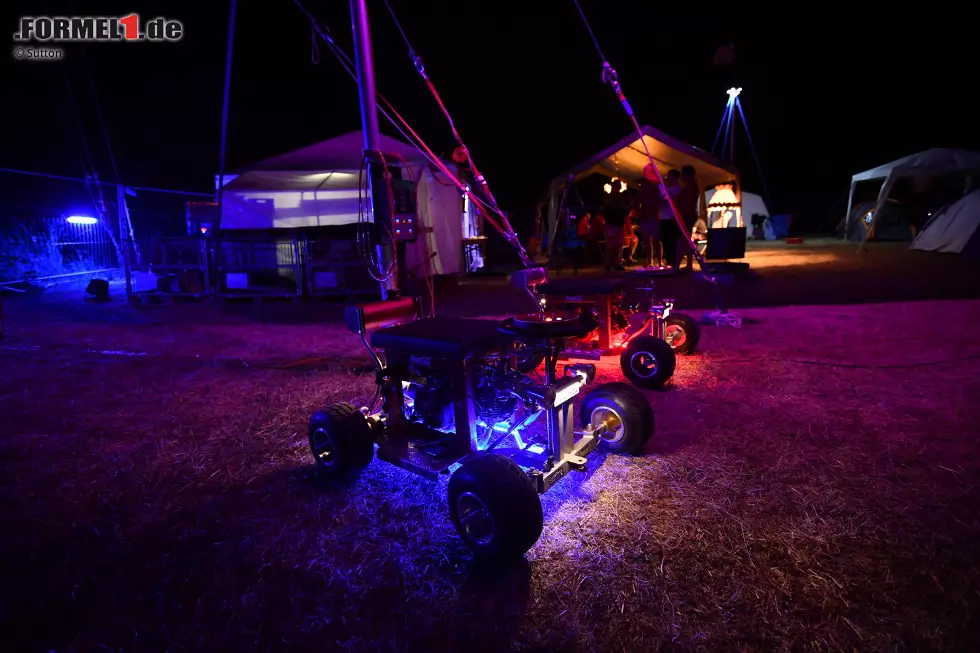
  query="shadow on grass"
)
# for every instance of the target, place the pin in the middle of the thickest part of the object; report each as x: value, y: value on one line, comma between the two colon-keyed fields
x: 279, y: 562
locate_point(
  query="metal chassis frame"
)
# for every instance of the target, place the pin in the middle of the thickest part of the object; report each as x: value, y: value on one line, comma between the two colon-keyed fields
x: 655, y: 323
x: 564, y: 452
x: 566, y: 448
x: 659, y: 311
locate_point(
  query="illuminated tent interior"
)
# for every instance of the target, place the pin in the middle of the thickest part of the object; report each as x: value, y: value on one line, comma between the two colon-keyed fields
x: 751, y: 204
x: 317, y: 186
x: 626, y: 159
x: 922, y: 165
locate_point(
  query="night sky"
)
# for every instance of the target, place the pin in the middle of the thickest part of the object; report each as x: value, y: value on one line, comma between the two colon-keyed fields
x: 825, y: 94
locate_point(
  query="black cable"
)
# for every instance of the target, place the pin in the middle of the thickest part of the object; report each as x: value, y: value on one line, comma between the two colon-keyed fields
x: 508, y: 231
x: 95, y: 195
x: 104, y: 183
x: 88, y: 164
x: 408, y: 44
x: 610, y: 76
x: 416, y: 141
x: 367, y: 240
x: 400, y: 124
x: 98, y: 112
x: 585, y: 20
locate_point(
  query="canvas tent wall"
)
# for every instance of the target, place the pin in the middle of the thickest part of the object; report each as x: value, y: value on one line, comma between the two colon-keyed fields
x: 752, y: 204
x: 627, y: 158
x: 317, y: 186
x: 954, y: 229
x: 926, y: 164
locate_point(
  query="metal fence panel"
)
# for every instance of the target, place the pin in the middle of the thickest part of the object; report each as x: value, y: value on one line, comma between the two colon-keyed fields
x: 258, y: 268
x: 38, y: 247
x: 173, y: 267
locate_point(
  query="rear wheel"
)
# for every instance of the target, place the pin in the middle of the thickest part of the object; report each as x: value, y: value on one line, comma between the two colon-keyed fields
x: 622, y: 416
x: 495, y: 508
x: 682, y: 333
x: 648, y: 362
x: 340, y: 440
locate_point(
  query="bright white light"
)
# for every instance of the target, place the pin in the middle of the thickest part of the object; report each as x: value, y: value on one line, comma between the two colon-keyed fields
x: 733, y: 92
x: 569, y: 391
x: 80, y: 219
x: 608, y: 187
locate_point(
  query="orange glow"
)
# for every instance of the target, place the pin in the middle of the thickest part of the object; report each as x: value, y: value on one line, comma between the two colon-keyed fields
x: 720, y: 209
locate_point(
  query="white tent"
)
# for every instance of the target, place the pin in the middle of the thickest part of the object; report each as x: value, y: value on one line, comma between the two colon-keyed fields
x: 927, y: 164
x: 955, y: 228
x: 752, y: 204
x: 317, y: 186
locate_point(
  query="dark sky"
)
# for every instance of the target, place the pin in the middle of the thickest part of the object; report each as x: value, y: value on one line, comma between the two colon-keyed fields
x: 826, y: 94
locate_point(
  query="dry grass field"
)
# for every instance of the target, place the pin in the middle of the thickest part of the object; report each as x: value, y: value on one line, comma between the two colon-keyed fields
x: 812, y: 485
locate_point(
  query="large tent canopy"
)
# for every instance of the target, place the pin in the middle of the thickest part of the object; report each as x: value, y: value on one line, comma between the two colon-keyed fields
x: 340, y: 153
x: 317, y: 186
x: 926, y: 164
x: 626, y: 159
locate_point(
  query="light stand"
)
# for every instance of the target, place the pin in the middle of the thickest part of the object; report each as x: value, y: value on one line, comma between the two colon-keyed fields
x: 727, y: 128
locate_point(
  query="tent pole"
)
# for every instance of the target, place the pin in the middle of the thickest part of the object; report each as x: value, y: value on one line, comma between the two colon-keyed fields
x: 224, y: 112
x: 126, y: 236
x: 377, y: 184
x: 850, y: 203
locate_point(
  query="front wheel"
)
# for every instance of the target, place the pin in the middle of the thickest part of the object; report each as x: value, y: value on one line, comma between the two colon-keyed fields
x: 682, y: 332
x: 495, y: 508
x: 621, y: 416
x: 340, y: 440
x: 648, y: 362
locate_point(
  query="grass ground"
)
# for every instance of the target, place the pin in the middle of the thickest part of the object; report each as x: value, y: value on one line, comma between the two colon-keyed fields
x: 812, y: 485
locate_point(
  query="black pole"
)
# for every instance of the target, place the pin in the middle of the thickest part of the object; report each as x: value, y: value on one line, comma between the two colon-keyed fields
x: 224, y: 114
x: 377, y: 184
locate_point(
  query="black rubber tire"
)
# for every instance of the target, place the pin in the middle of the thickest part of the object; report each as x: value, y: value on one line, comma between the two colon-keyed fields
x: 631, y: 407
x: 692, y: 332
x: 340, y: 440
x: 648, y: 350
x: 508, y: 499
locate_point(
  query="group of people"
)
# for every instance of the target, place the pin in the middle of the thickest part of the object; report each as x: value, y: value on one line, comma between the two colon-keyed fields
x: 648, y: 222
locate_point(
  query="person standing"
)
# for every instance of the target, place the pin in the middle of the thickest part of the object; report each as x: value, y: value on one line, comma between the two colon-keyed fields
x: 688, y: 203
x: 584, y: 224
x: 670, y: 233
x: 630, y: 241
x: 597, y: 231
x: 649, y: 218
x: 615, y: 210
